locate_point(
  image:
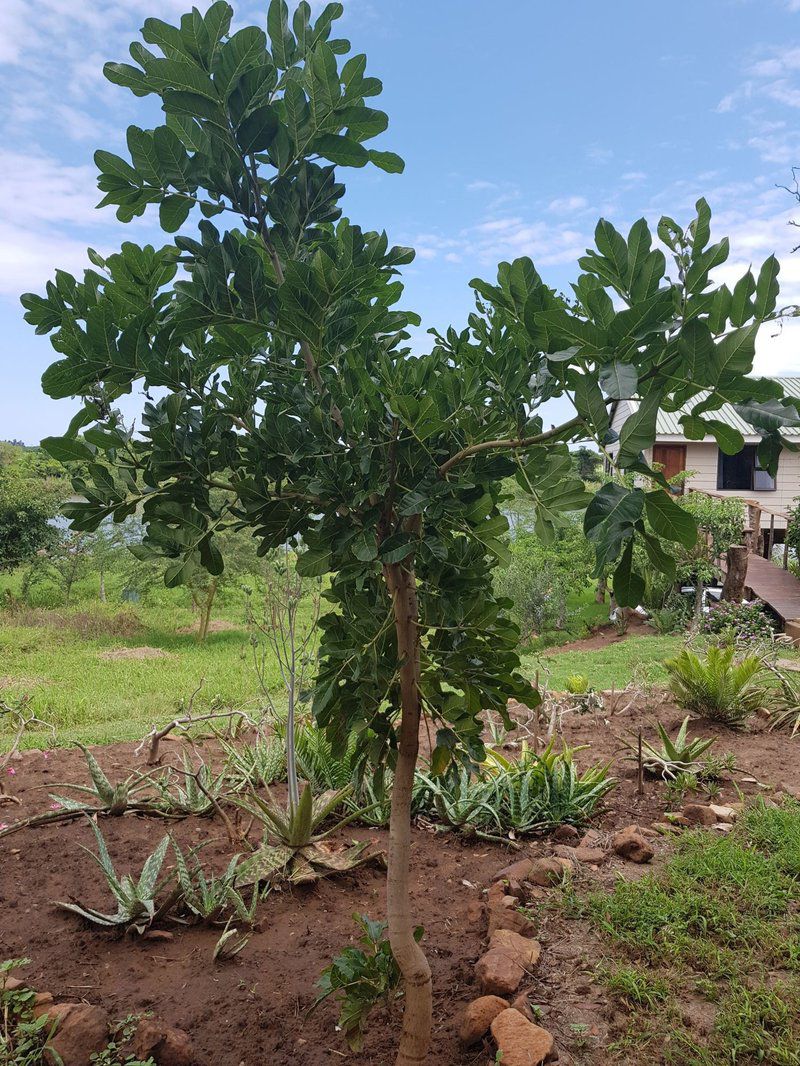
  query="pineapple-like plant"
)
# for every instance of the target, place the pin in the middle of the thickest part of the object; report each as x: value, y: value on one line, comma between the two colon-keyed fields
x: 113, y: 799
x: 137, y: 898
x: 718, y: 687
x: 294, y: 844
x: 674, y: 757
x: 259, y: 764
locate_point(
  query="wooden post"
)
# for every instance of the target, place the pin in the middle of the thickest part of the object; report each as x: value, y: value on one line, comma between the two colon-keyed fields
x: 786, y: 549
x: 771, y: 540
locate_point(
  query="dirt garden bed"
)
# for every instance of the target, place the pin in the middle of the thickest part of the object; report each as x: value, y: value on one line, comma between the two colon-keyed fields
x: 253, y: 1009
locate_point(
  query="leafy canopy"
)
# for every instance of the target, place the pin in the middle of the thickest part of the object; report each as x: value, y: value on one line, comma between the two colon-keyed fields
x: 281, y: 395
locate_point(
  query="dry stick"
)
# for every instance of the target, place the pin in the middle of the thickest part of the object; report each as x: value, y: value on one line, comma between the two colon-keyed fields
x: 157, y: 735
x: 640, y: 770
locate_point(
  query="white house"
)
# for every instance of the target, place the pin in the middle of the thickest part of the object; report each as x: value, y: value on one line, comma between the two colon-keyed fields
x: 713, y: 471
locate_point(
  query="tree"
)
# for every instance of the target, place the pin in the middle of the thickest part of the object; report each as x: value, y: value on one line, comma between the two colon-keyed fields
x: 287, y: 386
x: 29, y: 500
x: 587, y: 463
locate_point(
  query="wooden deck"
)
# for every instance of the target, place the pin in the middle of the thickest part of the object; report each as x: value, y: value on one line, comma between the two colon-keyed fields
x: 776, y: 587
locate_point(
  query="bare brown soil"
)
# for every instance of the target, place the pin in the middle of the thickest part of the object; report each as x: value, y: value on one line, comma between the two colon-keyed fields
x: 252, y: 1010
x: 143, y: 651
x: 216, y: 625
x: 124, y: 623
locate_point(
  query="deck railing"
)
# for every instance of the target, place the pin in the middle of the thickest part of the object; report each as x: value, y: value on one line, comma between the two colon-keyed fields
x: 753, y: 533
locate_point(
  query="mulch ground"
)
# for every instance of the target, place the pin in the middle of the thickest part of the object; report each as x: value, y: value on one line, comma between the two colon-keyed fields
x: 252, y: 1010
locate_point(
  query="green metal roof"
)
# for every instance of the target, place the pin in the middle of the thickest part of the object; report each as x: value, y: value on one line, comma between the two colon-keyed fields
x: 668, y: 422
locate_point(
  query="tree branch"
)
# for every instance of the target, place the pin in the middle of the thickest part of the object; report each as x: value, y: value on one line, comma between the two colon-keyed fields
x: 509, y: 444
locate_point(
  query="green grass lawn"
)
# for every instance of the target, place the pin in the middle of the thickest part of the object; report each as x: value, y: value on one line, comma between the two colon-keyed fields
x: 719, y: 923
x: 91, y: 698
x: 640, y: 657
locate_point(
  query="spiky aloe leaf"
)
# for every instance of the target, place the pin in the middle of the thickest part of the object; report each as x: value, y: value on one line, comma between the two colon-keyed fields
x: 145, y: 889
x: 89, y: 915
x: 263, y: 865
x: 103, y: 787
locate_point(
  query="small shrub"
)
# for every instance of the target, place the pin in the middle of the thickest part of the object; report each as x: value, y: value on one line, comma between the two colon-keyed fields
x: 577, y: 684
x: 114, y: 1054
x: 717, y: 687
x: 738, y: 623
x: 674, y: 757
x: 362, y: 977
x: 23, y: 1036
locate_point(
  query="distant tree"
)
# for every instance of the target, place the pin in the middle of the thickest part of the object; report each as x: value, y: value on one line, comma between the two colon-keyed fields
x: 588, y: 463
x: 282, y: 377
x: 28, y: 505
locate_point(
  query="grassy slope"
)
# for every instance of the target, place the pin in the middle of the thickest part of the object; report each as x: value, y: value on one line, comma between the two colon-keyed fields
x: 640, y: 657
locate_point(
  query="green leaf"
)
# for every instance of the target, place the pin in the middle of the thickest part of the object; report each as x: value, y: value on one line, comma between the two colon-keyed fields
x: 388, y: 161
x: 341, y: 149
x: 735, y: 352
x: 173, y: 212
x: 628, y: 585
x: 767, y: 288
x: 668, y: 519
x: 618, y: 380
x: 741, y: 305
x: 314, y: 562
x: 639, y: 430
x: 283, y: 43
x: 257, y: 132
x: 67, y: 449
x: 591, y: 405
x: 661, y: 560
x: 730, y: 440
x: 397, y: 547
x: 611, y: 244
x: 108, y: 163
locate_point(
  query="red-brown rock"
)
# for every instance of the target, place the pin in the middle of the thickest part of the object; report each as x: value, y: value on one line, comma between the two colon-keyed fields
x: 631, y: 845
x: 517, y: 871
x: 498, y: 973
x: 167, y: 1045
x: 547, y: 872
x: 566, y: 834
x: 697, y: 814
x: 478, y: 1016
x: 81, y: 1030
x: 521, y: 949
x: 520, y: 1042
x: 476, y: 915
x: 504, y: 913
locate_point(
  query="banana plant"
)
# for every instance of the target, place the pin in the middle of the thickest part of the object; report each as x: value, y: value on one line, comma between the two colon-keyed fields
x: 294, y: 841
x: 137, y: 905
x: 674, y: 757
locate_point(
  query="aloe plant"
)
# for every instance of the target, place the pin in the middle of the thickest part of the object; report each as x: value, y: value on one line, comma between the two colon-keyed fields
x: 460, y: 799
x: 294, y: 838
x: 210, y: 898
x: 137, y: 906
x: 674, y: 757
x: 113, y: 799
x: 192, y: 790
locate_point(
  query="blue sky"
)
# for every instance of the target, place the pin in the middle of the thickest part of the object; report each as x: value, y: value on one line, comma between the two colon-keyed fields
x: 521, y: 122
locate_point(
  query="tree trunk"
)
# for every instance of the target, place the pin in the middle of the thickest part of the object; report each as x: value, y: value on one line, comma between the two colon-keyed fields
x: 736, y: 573
x: 699, y: 589
x: 601, y: 590
x: 418, y: 1008
x: 102, y: 585
x: 205, y: 612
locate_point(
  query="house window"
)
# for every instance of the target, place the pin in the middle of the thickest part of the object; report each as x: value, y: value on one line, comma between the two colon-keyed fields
x: 743, y: 472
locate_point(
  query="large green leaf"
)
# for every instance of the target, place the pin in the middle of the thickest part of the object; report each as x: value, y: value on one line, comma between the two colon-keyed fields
x: 618, y: 380
x: 669, y: 520
x: 639, y: 430
x: 67, y: 449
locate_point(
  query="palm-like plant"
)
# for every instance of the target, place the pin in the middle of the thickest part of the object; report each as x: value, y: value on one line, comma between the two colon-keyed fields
x: 718, y: 687
x: 674, y: 757
x: 294, y: 838
x: 137, y: 906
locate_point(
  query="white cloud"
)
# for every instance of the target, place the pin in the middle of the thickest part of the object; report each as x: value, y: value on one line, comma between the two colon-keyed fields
x: 482, y: 186
x: 566, y: 205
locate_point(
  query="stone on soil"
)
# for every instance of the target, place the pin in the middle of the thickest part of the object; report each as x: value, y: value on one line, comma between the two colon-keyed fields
x: 522, y: 1043
x: 498, y: 974
x: 81, y: 1031
x: 169, y: 1046
x: 631, y: 845
x: 521, y: 949
x: 697, y: 814
x: 547, y: 872
x: 478, y: 1016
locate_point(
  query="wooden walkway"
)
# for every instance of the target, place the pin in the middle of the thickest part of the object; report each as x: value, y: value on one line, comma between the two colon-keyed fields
x: 776, y: 587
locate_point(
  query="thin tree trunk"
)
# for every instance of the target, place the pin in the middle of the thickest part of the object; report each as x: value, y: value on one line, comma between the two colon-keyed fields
x: 418, y: 1008
x: 205, y: 612
x: 698, y: 601
x: 102, y: 585
x: 601, y: 590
